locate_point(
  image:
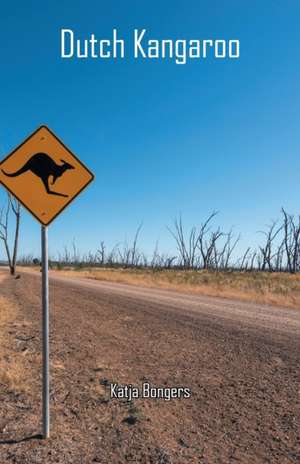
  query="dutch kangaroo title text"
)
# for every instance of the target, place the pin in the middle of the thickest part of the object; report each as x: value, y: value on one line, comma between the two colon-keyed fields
x: 144, y: 47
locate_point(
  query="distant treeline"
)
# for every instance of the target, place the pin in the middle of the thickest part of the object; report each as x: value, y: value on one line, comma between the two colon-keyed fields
x: 204, y: 247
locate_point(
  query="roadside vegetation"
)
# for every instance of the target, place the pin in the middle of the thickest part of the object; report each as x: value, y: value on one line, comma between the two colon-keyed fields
x: 281, y: 289
x: 205, y: 248
x: 10, y: 217
x: 205, y: 263
x: 12, y: 368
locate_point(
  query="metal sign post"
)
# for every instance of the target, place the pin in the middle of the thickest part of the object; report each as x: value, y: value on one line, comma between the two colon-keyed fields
x: 26, y: 173
x: 45, y: 319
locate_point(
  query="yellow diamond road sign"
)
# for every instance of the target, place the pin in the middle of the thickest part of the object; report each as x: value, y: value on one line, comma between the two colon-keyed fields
x: 44, y: 175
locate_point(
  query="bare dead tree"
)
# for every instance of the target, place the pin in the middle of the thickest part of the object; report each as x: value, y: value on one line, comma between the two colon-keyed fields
x: 161, y: 261
x: 155, y: 257
x: 212, y: 254
x: 168, y: 261
x: 27, y: 260
x: 12, y: 206
x: 279, y: 257
x: 101, y: 253
x: 66, y: 256
x: 267, y: 249
x: 228, y: 248
x: 287, y: 239
x: 186, y: 246
x: 252, y: 260
x: 291, y: 241
x: 111, y: 258
x: 295, y: 228
x: 128, y: 254
x: 205, y: 247
x: 90, y: 258
x: 75, y: 255
x: 244, y: 262
x: 134, y: 252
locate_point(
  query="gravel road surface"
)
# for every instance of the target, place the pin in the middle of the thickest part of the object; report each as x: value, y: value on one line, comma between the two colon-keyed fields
x: 239, y: 360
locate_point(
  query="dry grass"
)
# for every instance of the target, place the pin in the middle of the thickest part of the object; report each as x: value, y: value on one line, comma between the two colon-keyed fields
x: 280, y: 289
x: 12, y: 369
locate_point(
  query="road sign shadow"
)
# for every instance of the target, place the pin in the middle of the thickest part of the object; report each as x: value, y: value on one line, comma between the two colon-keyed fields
x: 15, y: 441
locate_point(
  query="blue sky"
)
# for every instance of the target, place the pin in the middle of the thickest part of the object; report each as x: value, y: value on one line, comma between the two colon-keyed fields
x: 161, y: 138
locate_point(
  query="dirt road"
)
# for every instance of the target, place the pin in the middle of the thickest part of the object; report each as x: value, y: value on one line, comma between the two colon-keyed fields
x: 240, y: 361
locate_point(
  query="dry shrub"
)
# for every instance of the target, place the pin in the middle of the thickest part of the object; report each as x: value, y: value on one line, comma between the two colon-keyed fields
x: 12, y: 369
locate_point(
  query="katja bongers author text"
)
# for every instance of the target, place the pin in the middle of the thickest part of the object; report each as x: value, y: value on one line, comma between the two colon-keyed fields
x: 143, y: 46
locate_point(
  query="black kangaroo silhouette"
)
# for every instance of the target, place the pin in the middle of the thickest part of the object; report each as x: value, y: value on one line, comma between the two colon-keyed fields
x: 43, y: 166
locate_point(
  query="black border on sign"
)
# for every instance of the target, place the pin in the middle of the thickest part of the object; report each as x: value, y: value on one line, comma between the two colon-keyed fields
x: 69, y: 151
